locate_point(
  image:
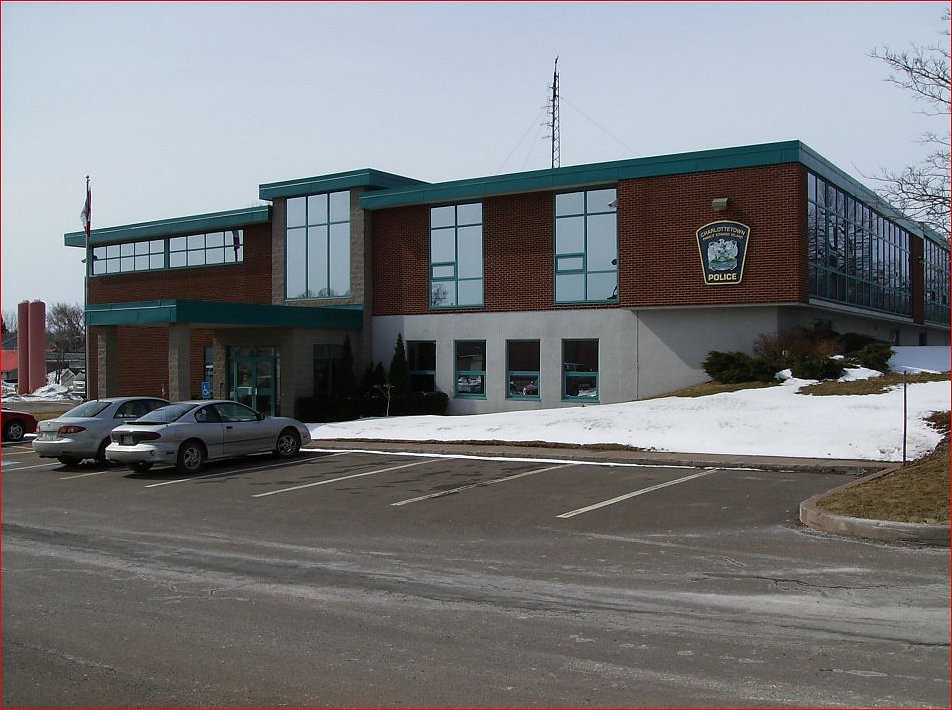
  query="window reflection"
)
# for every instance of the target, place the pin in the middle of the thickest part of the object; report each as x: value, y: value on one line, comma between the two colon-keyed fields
x: 586, y: 247
x: 456, y: 255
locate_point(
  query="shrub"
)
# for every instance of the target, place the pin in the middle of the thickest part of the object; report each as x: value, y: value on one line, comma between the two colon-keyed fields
x: 736, y: 367
x: 816, y: 367
x: 854, y: 342
x: 327, y: 409
x: 429, y: 403
x: 782, y: 348
x: 875, y: 355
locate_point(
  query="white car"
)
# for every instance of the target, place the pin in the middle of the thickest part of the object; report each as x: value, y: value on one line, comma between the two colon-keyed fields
x: 187, y: 434
x: 83, y: 431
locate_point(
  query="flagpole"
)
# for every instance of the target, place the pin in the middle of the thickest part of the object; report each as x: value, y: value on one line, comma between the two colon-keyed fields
x: 87, y: 264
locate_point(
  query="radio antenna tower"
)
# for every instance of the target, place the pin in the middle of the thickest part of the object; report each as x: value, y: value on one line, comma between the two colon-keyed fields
x: 553, y: 107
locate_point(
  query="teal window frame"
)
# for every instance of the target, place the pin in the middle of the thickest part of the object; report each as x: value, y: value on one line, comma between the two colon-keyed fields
x: 451, y: 281
x: 413, y: 360
x: 581, y: 374
x: 534, y: 374
x: 192, y: 246
x: 856, y: 256
x: 315, y: 228
x: 144, y: 255
x: 583, y: 257
x: 470, y: 374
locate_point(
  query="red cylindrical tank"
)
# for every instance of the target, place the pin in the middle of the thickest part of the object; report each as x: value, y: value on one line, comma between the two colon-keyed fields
x: 37, y: 344
x: 23, y: 347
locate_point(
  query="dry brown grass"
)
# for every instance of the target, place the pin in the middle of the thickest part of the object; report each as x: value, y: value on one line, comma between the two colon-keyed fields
x: 874, y: 385
x: 917, y: 493
x: 706, y: 388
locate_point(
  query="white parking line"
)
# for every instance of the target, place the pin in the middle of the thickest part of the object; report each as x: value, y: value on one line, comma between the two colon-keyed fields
x: 218, y: 473
x: 342, y: 478
x: 24, y: 468
x: 482, y: 483
x: 84, y: 475
x: 626, y: 496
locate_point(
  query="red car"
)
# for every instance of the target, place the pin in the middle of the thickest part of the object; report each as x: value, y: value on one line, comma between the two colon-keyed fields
x: 16, y: 424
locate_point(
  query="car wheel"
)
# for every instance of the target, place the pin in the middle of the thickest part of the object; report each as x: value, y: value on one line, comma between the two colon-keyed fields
x: 101, y: 453
x: 14, y: 430
x: 288, y: 444
x: 191, y: 457
x: 69, y: 460
x: 140, y: 466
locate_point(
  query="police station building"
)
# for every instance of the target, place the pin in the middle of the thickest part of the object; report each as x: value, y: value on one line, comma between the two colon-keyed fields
x: 585, y: 284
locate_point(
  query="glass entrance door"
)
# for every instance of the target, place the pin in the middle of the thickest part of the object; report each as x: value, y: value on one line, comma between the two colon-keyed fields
x: 253, y: 379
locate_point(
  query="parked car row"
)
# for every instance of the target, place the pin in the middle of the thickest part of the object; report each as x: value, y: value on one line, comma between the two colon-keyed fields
x: 142, y: 432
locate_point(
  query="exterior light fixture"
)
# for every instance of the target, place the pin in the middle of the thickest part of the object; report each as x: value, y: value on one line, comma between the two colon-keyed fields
x: 719, y: 204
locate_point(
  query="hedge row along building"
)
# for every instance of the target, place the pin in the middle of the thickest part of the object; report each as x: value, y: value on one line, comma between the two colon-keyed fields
x: 594, y: 283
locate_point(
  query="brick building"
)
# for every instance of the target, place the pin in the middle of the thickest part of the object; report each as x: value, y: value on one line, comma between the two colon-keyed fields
x: 594, y: 283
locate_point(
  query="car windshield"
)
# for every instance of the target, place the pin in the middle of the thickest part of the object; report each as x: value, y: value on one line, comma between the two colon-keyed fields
x: 164, y: 415
x: 88, y: 409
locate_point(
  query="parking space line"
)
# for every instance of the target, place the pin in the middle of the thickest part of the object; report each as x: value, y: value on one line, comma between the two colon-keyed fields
x: 14, y: 467
x: 626, y: 496
x: 343, y: 478
x: 482, y: 483
x: 84, y: 475
x: 219, y: 473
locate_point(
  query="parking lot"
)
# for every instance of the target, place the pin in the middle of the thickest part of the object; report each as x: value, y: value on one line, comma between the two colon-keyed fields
x: 355, y: 577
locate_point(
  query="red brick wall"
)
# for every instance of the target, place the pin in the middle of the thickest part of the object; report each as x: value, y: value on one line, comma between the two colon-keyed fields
x: 659, y: 262
x: 248, y: 282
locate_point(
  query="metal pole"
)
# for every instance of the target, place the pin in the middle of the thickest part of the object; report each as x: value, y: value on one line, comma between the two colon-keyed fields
x: 87, y: 264
x: 905, y: 418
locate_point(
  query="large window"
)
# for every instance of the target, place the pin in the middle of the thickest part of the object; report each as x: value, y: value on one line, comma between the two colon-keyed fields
x: 522, y: 369
x: 580, y: 370
x: 456, y: 256
x: 936, y: 280
x: 210, y: 249
x: 421, y: 358
x: 586, y: 247
x: 471, y: 368
x: 326, y: 365
x: 856, y: 256
x: 317, y: 256
x: 206, y: 249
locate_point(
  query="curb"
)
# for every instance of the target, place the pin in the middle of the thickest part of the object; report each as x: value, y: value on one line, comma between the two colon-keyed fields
x: 816, y: 518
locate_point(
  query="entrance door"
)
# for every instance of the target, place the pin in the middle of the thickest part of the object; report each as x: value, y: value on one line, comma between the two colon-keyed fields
x: 253, y: 380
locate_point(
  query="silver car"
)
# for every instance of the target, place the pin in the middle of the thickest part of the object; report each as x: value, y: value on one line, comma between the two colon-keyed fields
x: 83, y: 431
x: 187, y: 434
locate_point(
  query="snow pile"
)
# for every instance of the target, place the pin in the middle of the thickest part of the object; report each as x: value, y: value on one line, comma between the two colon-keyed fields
x: 927, y: 358
x: 773, y: 421
x: 46, y: 393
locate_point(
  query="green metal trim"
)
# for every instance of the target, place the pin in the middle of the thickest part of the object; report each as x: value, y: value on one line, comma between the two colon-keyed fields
x: 366, y: 177
x: 168, y: 311
x: 177, y: 226
x: 586, y: 175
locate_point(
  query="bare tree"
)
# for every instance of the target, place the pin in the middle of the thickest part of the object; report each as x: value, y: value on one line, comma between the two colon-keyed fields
x: 65, y: 332
x: 10, y: 321
x: 922, y: 190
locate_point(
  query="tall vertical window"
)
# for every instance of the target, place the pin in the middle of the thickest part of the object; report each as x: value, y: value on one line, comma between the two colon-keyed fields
x: 586, y: 247
x: 856, y: 256
x: 456, y: 256
x: 580, y: 370
x: 317, y: 256
x: 522, y: 369
x: 471, y: 368
x: 936, y: 282
x: 421, y: 358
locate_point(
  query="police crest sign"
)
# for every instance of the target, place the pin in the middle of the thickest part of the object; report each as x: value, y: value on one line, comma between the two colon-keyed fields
x: 723, y: 246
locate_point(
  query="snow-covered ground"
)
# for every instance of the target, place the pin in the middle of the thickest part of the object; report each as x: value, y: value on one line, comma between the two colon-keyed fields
x: 775, y: 421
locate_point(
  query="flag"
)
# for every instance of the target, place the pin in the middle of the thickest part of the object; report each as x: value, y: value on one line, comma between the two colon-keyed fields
x: 235, y: 242
x: 86, y: 215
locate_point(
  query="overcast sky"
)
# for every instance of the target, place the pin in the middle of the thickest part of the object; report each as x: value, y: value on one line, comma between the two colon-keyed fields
x: 185, y: 108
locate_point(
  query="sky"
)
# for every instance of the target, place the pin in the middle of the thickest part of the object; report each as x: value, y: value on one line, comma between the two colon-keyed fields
x: 176, y: 109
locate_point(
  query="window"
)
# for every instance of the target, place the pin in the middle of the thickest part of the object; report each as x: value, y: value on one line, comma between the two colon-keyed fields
x: 522, y: 369
x: 208, y: 364
x: 327, y: 361
x: 235, y: 412
x: 456, y: 256
x: 207, y: 249
x: 580, y: 370
x: 935, y: 269
x: 128, y: 257
x: 317, y: 254
x: 421, y: 357
x: 471, y: 368
x: 856, y: 256
x: 586, y: 247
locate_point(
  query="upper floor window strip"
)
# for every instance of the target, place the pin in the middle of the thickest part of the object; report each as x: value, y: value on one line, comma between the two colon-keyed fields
x: 206, y: 249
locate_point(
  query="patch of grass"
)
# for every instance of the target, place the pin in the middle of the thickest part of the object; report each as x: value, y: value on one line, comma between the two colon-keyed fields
x: 706, y: 388
x: 917, y: 493
x: 875, y: 385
